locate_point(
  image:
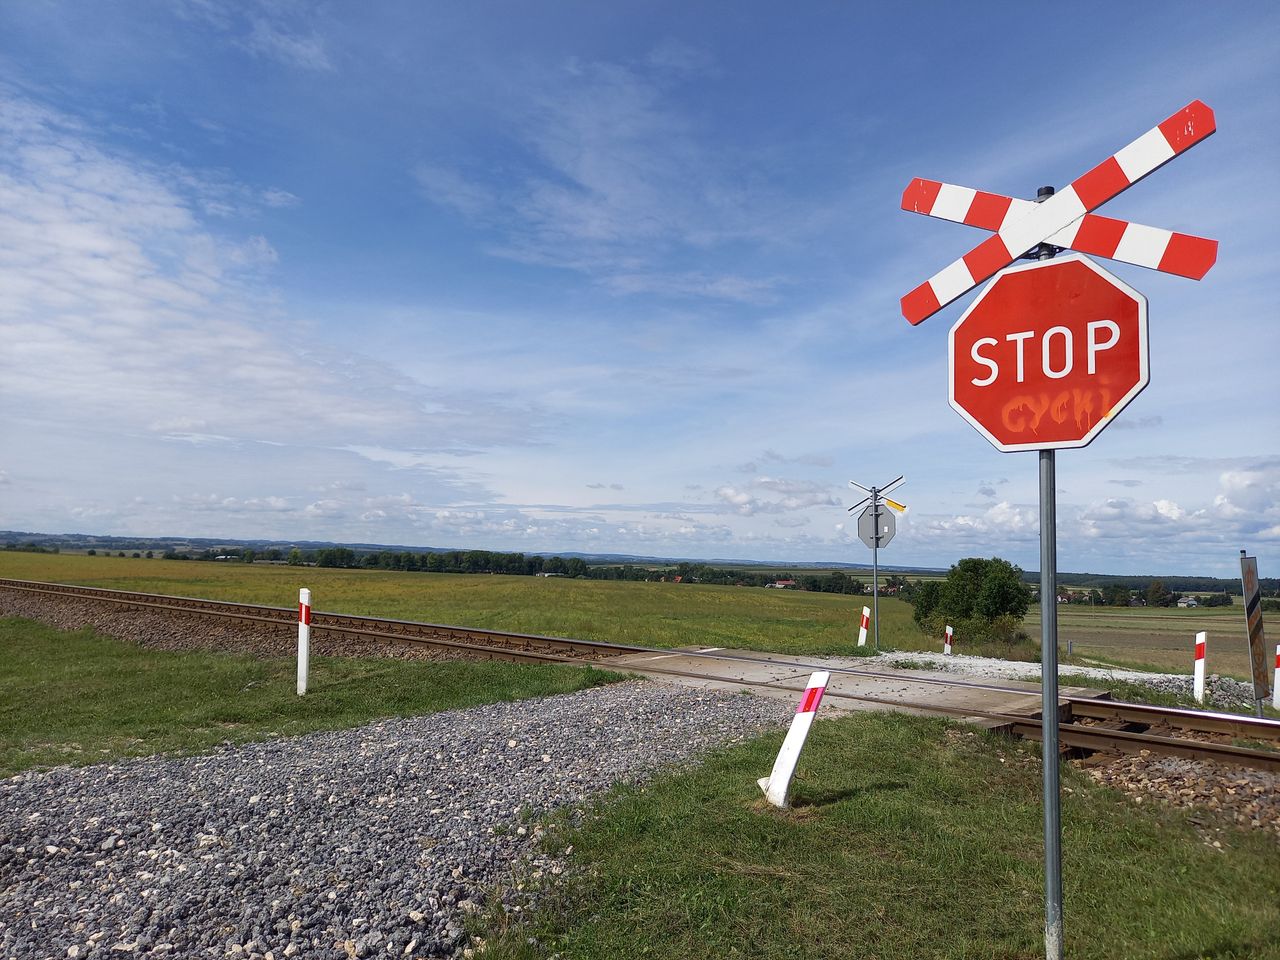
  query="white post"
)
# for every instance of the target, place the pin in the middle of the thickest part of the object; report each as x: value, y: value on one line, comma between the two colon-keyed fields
x: 1197, y: 688
x: 776, y: 785
x: 862, y: 630
x: 304, y: 637
x: 946, y: 642
x: 1275, y: 686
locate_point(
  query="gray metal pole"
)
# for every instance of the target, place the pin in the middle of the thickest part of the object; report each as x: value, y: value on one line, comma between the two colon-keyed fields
x: 1049, y: 682
x: 1049, y: 706
x: 875, y: 564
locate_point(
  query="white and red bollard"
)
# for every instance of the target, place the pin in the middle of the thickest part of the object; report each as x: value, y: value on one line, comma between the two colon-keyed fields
x: 304, y: 638
x: 1197, y: 682
x: 776, y: 785
x: 946, y: 641
x: 862, y: 629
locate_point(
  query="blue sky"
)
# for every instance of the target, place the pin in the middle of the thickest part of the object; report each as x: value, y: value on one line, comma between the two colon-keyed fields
x: 605, y: 277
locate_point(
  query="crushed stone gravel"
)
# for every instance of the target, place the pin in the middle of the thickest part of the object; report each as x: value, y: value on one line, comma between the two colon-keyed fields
x: 1221, y: 796
x: 357, y: 843
x: 156, y: 631
x: 1224, y: 692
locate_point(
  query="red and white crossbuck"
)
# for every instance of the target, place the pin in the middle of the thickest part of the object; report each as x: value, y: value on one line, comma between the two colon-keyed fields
x: 1065, y: 218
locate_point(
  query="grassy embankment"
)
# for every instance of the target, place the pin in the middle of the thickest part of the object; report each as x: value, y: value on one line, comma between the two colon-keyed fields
x: 652, y: 614
x: 79, y: 697
x: 908, y: 838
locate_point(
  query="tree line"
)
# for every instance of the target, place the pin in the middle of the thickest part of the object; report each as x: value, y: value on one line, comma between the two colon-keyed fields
x: 528, y: 565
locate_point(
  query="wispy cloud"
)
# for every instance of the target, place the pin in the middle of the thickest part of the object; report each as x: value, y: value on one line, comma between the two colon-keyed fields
x: 118, y: 296
x: 304, y: 50
x: 617, y: 183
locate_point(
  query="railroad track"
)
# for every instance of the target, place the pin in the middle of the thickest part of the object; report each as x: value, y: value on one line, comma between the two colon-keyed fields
x: 1086, y: 724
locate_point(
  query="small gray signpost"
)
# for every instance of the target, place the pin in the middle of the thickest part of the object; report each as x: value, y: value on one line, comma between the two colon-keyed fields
x: 876, y: 527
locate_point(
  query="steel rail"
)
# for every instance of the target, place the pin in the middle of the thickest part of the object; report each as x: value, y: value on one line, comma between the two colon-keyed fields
x: 1072, y: 734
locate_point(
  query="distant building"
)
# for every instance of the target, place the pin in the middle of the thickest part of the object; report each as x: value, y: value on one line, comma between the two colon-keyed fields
x: 1185, y: 602
x: 782, y: 585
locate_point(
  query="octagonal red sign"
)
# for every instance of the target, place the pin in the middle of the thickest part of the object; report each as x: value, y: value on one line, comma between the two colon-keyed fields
x: 1048, y: 354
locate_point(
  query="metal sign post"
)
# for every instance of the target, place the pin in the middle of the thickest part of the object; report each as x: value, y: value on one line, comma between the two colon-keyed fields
x: 876, y: 527
x: 1049, y: 705
x: 1049, y: 677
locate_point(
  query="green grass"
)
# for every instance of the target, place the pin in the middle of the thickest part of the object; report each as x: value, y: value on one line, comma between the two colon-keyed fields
x: 79, y: 697
x: 648, y: 614
x: 908, y: 838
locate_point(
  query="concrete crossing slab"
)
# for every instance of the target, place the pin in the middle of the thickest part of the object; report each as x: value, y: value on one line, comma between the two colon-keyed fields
x: 873, y: 685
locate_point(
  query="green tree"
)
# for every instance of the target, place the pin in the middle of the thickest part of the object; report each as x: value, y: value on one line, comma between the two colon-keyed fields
x: 1158, y: 596
x: 925, y: 598
x: 980, y: 597
x: 1118, y: 596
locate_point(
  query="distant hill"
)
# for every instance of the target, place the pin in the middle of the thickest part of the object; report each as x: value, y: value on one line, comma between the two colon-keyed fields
x: 190, y: 546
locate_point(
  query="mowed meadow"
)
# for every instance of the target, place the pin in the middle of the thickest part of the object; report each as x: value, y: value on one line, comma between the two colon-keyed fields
x: 650, y: 614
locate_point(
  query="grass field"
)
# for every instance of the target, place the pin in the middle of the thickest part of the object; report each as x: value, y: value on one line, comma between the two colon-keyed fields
x: 652, y: 614
x: 908, y: 838
x: 78, y: 697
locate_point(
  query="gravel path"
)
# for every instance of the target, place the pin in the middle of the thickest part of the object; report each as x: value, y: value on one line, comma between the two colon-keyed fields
x: 355, y: 843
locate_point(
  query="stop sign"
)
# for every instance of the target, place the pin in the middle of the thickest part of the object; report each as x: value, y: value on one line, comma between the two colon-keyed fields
x: 1048, y: 353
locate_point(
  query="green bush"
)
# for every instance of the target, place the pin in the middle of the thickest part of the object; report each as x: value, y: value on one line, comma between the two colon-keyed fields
x: 987, y: 597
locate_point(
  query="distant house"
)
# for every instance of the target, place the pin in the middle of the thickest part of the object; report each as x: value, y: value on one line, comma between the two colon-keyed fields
x: 1186, y: 602
x: 782, y: 585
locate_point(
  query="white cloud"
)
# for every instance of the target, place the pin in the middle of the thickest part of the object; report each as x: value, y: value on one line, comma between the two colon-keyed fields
x: 793, y: 495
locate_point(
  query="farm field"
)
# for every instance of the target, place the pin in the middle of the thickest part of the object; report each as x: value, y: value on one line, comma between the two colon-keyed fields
x: 1157, y: 637
x: 653, y: 614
